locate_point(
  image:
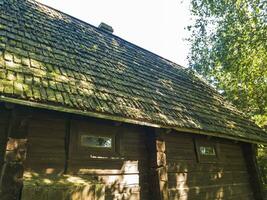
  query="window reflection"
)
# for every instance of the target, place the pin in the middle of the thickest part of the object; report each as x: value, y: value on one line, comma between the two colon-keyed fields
x: 207, y: 150
x: 96, y: 141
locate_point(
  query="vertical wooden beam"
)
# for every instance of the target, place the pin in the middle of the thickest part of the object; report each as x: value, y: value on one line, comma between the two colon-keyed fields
x: 5, y: 113
x: 157, y: 165
x: 253, y: 169
x: 12, y: 171
x: 67, y: 144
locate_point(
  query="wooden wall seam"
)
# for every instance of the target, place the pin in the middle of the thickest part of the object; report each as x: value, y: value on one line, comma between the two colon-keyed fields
x: 253, y: 169
x: 5, y: 135
x: 16, y: 149
x: 157, y: 165
x: 67, y: 144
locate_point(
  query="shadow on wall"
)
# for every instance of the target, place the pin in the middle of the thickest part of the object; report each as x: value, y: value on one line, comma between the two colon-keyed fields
x: 45, y: 187
x: 81, y: 187
x: 190, y: 185
x: 74, y: 188
x: 192, y: 178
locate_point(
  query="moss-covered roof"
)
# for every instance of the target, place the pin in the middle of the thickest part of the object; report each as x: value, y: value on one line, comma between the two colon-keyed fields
x: 52, y: 60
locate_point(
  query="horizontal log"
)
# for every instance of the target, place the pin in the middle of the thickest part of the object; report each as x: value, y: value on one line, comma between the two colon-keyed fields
x: 191, y: 166
x: 211, y: 192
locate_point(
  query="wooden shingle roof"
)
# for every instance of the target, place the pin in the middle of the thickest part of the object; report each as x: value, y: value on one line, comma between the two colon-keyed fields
x: 51, y: 60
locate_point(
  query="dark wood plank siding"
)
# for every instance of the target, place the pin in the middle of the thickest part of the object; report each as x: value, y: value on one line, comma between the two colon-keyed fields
x: 123, y: 171
x: 189, y: 178
x: 46, y: 143
x: 4, y: 121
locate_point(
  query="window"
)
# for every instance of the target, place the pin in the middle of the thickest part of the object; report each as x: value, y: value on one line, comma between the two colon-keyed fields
x: 96, y: 141
x: 99, y: 143
x: 207, y: 151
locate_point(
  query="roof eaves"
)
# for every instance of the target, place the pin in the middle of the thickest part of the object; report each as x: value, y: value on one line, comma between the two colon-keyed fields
x: 122, y: 119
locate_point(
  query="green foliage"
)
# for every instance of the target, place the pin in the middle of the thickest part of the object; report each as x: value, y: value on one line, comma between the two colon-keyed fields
x: 229, y: 48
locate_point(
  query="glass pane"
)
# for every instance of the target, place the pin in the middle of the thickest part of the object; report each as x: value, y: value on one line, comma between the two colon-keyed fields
x: 207, y: 151
x: 96, y: 141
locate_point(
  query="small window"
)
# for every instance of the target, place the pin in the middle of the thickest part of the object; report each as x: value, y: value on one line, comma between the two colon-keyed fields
x: 207, y: 151
x: 96, y: 141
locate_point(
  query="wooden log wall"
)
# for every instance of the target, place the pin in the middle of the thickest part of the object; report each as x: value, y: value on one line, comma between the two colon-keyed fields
x: 249, y: 151
x: 4, y: 121
x: 123, y: 172
x: 157, y: 164
x: 190, y: 178
x: 46, y: 143
x: 15, y: 153
x: 54, y: 149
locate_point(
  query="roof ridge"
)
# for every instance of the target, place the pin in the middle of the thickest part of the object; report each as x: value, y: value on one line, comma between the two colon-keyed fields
x: 187, y: 71
x: 111, y: 34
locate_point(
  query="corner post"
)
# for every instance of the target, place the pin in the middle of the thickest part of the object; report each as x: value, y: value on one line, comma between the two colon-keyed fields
x: 253, y: 169
x: 5, y: 114
x: 11, y: 177
x: 158, y: 176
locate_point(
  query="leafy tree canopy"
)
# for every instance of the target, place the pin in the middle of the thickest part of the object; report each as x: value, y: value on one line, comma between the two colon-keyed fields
x: 229, y: 48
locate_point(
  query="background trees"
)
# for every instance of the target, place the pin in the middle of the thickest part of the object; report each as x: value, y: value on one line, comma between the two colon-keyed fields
x: 229, y: 48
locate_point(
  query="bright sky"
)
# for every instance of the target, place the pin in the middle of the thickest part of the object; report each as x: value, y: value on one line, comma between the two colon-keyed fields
x: 156, y: 25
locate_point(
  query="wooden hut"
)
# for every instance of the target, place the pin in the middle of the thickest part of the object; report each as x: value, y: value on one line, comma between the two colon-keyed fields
x: 85, y: 114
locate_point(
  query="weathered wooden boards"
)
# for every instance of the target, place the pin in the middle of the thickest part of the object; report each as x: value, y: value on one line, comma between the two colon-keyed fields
x: 123, y: 172
x: 15, y: 154
x: 157, y: 165
x: 62, y: 188
x: 226, y: 177
x: 252, y: 166
x: 4, y: 120
x: 146, y: 163
x: 12, y: 171
x: 46, y: 148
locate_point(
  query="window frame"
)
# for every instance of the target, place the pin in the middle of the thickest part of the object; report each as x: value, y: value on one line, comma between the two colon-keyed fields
x: 111, y: 135
x: 83, y: 137
x: 207, y: 148
x: 201, y: 142
x: 82, y: 156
